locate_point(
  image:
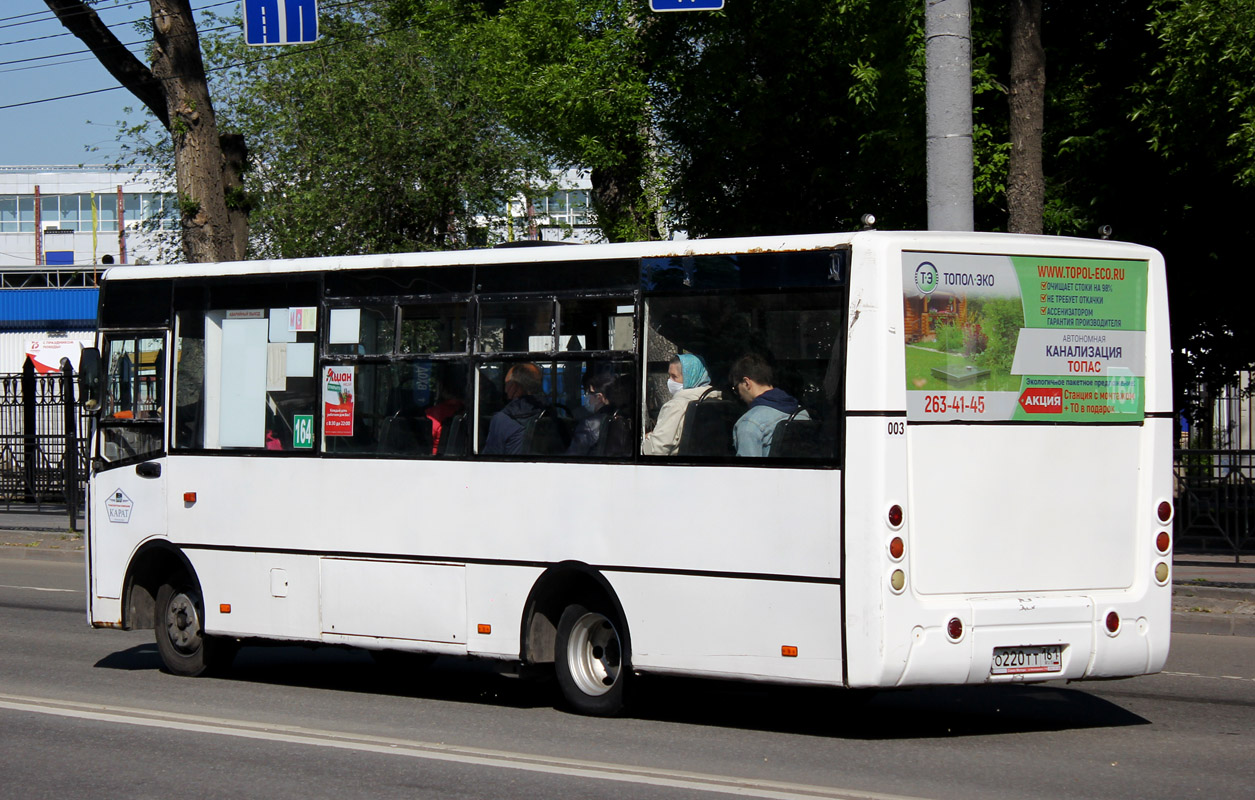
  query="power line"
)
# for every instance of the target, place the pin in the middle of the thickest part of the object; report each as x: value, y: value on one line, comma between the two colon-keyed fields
x: 48, y: 16
x: 295, y: 52
x: 124, y: 44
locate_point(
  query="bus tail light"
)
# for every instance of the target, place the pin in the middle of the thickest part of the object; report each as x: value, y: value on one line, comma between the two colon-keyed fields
x: 954, y: 629
x: 1165, y: 511
x: 1161, y: 572
x: 896, y: 548
x: 897, y: 581
x: 1113, y: 623
x: 895, y: 516
x: 1163, y: 541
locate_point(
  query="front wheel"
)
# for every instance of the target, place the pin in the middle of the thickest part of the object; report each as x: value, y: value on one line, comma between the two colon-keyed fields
x: 591, y: 664
x: 181, y: 639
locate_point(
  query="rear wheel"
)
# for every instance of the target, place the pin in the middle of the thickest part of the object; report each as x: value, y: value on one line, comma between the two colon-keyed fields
x: 181, y: 639
x: 590, y: 661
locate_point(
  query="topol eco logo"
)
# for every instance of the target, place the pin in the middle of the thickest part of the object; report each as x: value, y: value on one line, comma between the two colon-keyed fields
x: 926, y: 277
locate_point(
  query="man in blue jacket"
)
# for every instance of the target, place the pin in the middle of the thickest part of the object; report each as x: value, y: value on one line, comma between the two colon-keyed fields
x: 754, y: 382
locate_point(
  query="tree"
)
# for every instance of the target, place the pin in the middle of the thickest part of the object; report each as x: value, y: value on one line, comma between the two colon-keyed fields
x: 1026, y: 184
x: 175, y: 90
x: 571, y: 76
x: 376, y: 139
x: 773, y: 138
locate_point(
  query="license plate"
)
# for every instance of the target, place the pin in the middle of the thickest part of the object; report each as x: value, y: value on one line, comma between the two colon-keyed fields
x: 1027, y: 660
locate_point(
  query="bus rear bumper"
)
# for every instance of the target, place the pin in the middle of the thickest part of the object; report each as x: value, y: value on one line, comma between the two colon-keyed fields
x: 1012, y: 640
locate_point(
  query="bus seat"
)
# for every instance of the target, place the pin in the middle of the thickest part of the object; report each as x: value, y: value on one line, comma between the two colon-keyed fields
x: 708, y: 427
x: 453, y: 436
x: 546, y: 434
x: 406, y: 434
x: 615, y: 439
x: 800, y: 438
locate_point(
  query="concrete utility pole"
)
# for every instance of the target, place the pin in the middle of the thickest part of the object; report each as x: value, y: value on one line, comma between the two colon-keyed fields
x: 948, y: 102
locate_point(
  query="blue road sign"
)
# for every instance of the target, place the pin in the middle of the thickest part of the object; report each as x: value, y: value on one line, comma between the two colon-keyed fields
x: 280, y: 21
x: 685, y: 5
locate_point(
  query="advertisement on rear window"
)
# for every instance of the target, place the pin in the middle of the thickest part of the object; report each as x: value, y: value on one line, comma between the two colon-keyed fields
x: 337, y: 401
x: 1030, y: 338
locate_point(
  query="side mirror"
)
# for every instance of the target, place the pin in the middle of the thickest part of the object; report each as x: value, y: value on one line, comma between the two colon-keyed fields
x: 89, y: 383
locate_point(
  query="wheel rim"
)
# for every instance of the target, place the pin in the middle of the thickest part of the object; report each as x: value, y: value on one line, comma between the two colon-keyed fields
x: 594, y: 655
x: 183, y: 623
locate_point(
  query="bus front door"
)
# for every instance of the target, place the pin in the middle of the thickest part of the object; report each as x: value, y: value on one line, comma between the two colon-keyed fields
x: 128, y: 501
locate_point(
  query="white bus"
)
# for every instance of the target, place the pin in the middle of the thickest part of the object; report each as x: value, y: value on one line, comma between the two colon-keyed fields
x: 962, y: 474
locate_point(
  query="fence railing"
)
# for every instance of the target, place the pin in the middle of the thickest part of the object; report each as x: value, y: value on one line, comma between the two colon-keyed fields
x: 1215, y: 505
x: 35, y: 466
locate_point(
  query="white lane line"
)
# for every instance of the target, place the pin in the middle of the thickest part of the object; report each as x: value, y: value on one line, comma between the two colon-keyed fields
x: 1212, y: 677
x: 41, y: 589
x: 571, y: 767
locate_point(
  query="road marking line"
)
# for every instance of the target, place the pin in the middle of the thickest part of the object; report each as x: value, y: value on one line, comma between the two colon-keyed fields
x: 434, y: 751
x: 1212, y: 677
x: 41, y: 589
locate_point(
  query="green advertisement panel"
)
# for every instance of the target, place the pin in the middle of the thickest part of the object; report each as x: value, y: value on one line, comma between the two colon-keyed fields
x: 1032, y: 338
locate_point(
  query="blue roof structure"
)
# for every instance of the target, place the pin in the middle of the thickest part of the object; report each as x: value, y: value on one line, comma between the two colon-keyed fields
x: 48, y: 309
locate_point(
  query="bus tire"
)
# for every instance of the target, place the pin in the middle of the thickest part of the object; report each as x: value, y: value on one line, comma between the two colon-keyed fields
x: 181, y: 640
x: 590, y: 662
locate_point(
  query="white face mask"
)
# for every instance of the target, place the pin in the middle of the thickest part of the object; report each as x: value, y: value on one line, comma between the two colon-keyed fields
x: 674, y: 386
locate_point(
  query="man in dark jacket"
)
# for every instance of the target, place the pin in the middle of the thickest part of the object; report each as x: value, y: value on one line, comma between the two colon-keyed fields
x: 523, y: 383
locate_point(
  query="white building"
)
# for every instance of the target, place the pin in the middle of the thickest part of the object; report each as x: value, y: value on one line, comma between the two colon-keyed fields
x: 47, y: 219
x: 58, y: 229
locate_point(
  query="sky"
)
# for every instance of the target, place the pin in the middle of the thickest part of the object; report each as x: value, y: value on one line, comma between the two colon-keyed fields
x: 59, y: 132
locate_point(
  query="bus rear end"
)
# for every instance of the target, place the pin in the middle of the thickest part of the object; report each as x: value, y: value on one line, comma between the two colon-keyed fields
x: 1014, y: 524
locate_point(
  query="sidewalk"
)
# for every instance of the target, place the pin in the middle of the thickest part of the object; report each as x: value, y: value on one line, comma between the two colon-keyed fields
x: 1211, y: 594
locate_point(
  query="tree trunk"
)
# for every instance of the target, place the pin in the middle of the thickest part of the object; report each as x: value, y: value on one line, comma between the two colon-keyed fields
x: 208, y: 167
x: 197, y: 154
x: 1026, y: 183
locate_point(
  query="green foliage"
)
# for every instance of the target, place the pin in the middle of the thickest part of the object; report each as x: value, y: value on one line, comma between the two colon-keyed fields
x: 1002, y: 319
x: 382, y: 143
x: 949, y: 337
x: 790, y: 116
x: 1205, y: 69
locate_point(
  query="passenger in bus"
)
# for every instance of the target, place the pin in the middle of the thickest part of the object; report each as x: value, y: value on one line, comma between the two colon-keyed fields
x: 448, y: 404
x: 753, y: 380
x: 687, y: 380
x: 600, y: 403
x: 523, y: 383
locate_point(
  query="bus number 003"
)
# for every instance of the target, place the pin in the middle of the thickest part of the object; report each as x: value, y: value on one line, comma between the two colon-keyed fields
x: 897, y: 428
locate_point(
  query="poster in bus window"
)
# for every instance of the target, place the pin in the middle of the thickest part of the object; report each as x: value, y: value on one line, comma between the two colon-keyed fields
x: 1029, y: 338
x: 337, y: 401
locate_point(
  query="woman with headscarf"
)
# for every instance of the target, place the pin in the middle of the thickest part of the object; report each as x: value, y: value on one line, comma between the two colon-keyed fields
x: 687, y: 380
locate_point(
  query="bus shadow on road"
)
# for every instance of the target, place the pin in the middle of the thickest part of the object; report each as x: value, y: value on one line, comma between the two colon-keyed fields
x: 921, y: 713
x: 343, y: 669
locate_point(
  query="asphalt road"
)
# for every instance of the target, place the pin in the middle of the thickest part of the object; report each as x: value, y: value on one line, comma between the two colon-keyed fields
x: 87, y: 713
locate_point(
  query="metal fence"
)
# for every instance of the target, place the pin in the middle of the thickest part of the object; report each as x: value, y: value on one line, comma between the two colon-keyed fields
x: 34, y: 468
x: 1214, y: 470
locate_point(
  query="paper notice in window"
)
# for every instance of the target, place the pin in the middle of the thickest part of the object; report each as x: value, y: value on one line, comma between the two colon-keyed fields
x: 276, y: 367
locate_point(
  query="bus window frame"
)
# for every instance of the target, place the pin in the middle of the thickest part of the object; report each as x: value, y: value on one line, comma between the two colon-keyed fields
x: 105, y: 336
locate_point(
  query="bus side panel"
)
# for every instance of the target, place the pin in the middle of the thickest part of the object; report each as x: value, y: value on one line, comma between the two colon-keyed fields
x: 875, y: 456
x: 730, y: 627
x: 126, y: 509
x: 875, y: 464
x: 272, y: 595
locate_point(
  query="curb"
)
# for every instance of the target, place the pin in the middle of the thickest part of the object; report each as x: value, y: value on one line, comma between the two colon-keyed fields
x: 1212, y: 624
x: 19, y: 553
